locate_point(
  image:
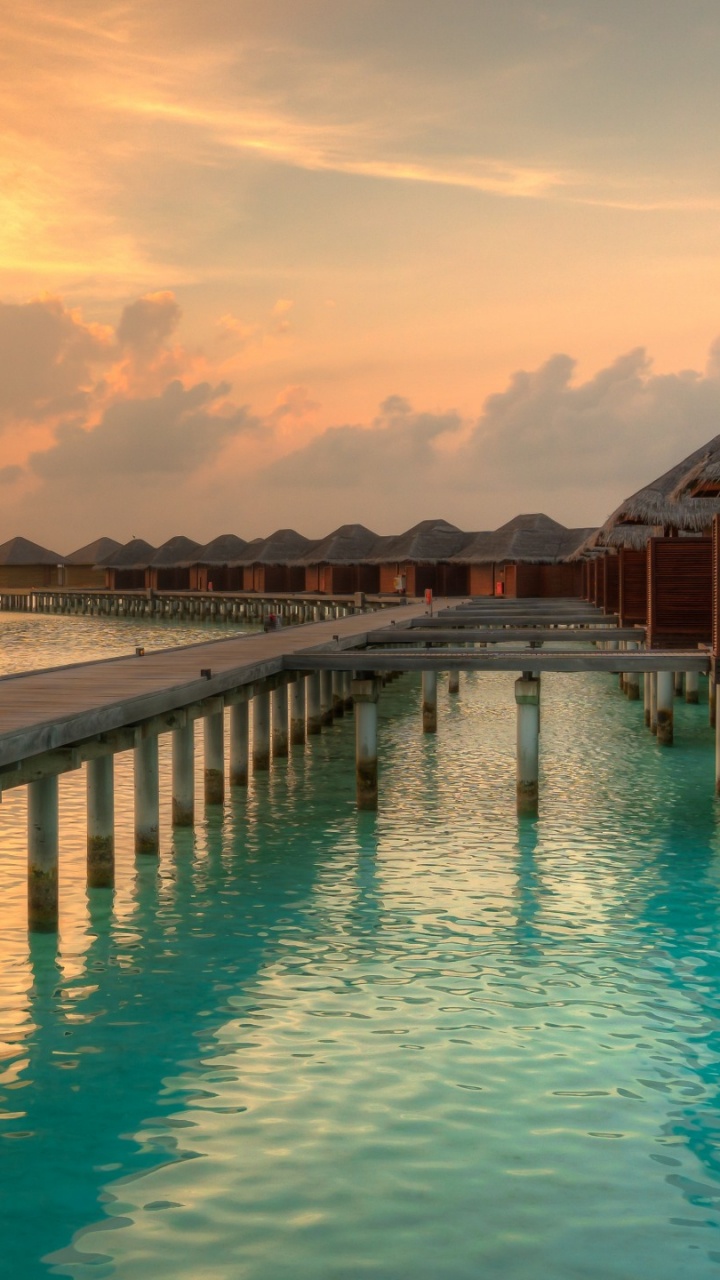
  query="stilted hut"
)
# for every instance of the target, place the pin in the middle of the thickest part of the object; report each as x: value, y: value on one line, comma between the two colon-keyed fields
x: 218, y: 566
x: 524, y: 557
x: 422, y: 558
x: 271, y: 564
x: 83, y: 567
x: 24, y: 564
x: 168, y: 570
x: 339, y: 562
x: 663, y: 532
x: 125, y: 569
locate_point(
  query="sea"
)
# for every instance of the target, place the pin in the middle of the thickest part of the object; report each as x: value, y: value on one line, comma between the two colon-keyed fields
x: 435, y: 1043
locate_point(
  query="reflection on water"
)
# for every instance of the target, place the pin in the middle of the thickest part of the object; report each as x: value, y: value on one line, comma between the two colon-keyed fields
x: 29, y: 641
x: 308, y: 1042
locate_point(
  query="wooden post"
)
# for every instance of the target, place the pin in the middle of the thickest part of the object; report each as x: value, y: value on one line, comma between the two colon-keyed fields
x: 261, y: 730
x: 647, y: 697
x: 239, y: 732
x: 280, y: 720
x: 100, y: 823
x: 365, y: 696
x: 429, y: 701
x: 653, y: 702
x: 527, y: 697
x: 665, y: 695
x: 147, y: 795
x: 454, y: 681
x: 214, y: 740
x: 43, y: 855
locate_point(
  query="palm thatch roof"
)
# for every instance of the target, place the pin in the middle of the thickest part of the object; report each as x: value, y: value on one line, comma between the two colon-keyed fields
x: 282, y: 547
x: 226, y: 549
x: 174, y: 552
x: 93, y: 552
x: 136, y: 554
x: 20, y: 551
x: 350, y: 544
x: 526, y: 539
x: 668, y: 502
x: 429, y: 542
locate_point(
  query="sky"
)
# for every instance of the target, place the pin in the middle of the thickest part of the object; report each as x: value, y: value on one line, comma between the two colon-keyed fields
x: 307, y: 262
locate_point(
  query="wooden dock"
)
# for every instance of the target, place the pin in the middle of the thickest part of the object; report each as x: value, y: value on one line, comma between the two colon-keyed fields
x: 290, y: 683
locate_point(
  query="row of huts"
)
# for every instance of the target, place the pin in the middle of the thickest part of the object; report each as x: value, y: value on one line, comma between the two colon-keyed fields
x: 527, y: 556
x: 655, y: 562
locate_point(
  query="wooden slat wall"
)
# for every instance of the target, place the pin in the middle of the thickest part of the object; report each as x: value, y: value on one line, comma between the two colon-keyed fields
x: 716, y: 586
x: 610, y: 583
x: 600, y: 582
x: 679, y: 592
x: 632, y: 587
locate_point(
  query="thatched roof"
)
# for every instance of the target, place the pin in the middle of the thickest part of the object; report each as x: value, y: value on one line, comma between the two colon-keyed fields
x: 94, y: 552
x: 174, y: 552
x: 526, y: 539
x: 350, y: 544
x: 282, y: 547
x: 19, y: 551
x: 226, y: 549
x: 136, y: 554
x: 428, y: 542
x: 666, y: 503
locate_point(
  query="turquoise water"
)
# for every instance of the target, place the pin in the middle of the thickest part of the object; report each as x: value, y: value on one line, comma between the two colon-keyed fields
x: 434, y: 1043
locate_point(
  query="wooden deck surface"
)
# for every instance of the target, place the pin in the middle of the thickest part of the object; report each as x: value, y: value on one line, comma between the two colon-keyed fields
x: 44, y: 710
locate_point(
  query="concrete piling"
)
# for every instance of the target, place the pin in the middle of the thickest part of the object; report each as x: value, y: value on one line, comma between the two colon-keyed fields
x: 647, y: 697
x: 454, y: 681
x: 239, y: 737
x: 429, y: 701
x: 214, y: 742
x: 527, y: 697
x: 261, y: 730
x: 692, y: 686
x: 147, y: 796
x: 314, y: 703
x: 100, y: 822
x: 664, y: 714
x: 279, y: 700
x: 338, y: 694
x: 43, y: 832
x: 326, y: 697
x: 183, y: 775
x: 365, y: 696
x: 653, y: 702
x: 297, y: 710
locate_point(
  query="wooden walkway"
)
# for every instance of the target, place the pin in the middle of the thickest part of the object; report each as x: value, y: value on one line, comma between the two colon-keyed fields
x: 46, y: 710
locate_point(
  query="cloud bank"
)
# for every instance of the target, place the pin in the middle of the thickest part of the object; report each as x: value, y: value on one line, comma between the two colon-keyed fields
x: 116, y: 424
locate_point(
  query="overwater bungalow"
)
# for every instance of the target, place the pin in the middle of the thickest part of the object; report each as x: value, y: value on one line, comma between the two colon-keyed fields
x: 421, y: 559
x: 25, y: 564
x: 218, y: 566
x: 125, y: 569
x: 271, y: 564
x: 527, y: 556
x: 169, y: 570
x: 658, y: 543
x: 339, y: 562
x: 83, y: 568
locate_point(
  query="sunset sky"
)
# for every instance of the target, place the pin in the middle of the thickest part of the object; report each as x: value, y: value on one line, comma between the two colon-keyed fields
x: 303, y: 262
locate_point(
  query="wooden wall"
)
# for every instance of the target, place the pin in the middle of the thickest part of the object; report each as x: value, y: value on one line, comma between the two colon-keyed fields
x: 716, y: 588
x: 610, y: 583
x: 481, y: 580
x: 632, y: 587
x: 18, y: 577
x: 679, y: 592
x: 77, y: 576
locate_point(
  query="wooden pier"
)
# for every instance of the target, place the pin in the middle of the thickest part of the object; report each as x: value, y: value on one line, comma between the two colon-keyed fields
x: 286, y: 684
